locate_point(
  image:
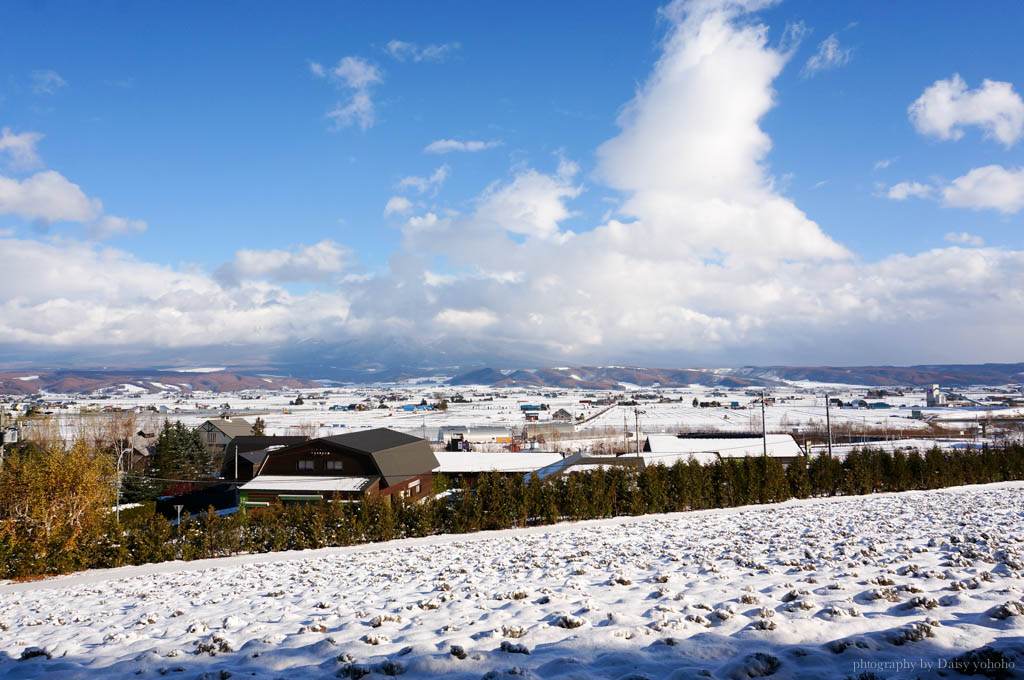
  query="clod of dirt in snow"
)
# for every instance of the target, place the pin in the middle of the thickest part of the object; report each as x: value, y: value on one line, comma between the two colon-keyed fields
x: 33, y: 652
x: 620, y: 579
x: 912, y: 633
x: 699, y: 620
x: 381, y: 619
x: 570, y: 621
x: 391, y: 667
x: 519, y: 594
x: 376, y: 639
x: 756, y: 665
x: 317, y: 625
x: 513, y: 631
x: 890, y: 594
x: 232, y: 623
x: 1005, y: 611
x: 919, y: 602
x: 354, y: 671
x: 458, y: 652
x: 215, y: 645
x: 513, y: 647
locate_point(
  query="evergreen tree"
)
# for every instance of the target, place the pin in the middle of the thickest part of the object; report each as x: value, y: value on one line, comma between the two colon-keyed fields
x: 259, y: 428
x: 796, y: 475
x: 181, y: 455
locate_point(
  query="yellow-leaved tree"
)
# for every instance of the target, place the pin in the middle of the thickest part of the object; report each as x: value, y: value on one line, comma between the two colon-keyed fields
x: 54, y: 502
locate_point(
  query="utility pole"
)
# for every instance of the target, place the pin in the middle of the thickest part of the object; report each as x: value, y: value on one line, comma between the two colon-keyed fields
x: 828, y: 425
x: 625, y: 427
x: 764, y: 428
x: 636, y: 413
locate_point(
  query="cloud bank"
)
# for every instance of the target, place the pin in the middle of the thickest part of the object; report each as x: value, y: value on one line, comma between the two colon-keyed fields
x: 703, y: 260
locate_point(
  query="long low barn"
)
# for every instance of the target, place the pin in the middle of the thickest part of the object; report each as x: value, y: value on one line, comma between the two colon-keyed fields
x: 464, y: 468
x: 670, y: 448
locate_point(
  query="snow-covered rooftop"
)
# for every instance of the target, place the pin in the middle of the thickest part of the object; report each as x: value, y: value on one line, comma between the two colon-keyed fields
x: 664, y: 446
x: 305, y: 483
x: 473, y: 461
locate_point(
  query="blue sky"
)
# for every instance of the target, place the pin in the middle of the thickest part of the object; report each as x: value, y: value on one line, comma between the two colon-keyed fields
x: 775, y: 200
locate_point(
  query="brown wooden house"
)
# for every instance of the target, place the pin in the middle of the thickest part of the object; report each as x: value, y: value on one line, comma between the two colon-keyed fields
x: 377, y: 462
x: 244, y: 455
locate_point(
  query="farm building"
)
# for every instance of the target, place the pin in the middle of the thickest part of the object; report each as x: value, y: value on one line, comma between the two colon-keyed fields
x: 218, y: 433
x: 474, y: 435
x: 377, y: 462
x: 543, y: 432
x: 669, y: 448
x: 463, y: 468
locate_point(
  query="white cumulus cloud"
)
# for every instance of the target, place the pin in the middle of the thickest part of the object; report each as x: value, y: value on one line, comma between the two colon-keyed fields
x: 397, y: 205
x: 990, y: 187
x: 48, y: 197
x: 963, y: 238
x: 319, y: 262
x: 20, y: 149
x: 947, y: 106
x: 904, y: 190
x: 110, y: 226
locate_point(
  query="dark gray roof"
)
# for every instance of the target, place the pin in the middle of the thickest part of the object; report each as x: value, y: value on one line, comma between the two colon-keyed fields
x: 371, y: 441
x: 398, y: 456
x: 258, y: 443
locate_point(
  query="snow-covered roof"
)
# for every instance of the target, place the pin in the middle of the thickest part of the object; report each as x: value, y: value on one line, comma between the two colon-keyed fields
x: 305, y: 483
x: 472, y: 461
x: 664, y: 446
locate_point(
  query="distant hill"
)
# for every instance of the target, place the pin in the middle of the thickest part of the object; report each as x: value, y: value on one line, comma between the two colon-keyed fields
x: 69, y: 381
x: 619, y: 377
x: 78, y: 382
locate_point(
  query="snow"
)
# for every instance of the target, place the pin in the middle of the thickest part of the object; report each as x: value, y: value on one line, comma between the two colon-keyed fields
x: 898, y: 584
x: 28, y: 377
x: 778, y: 445
x: 473, y: 461
x: 307, y: 483
x: 200, y: 369
x: 164, y: 386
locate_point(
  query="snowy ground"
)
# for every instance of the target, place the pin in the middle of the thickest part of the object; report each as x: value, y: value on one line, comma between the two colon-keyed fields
x: 798, y: 406
x: 896, y: 584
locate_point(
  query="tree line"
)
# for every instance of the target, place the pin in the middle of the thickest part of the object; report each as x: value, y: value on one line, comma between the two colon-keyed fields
x: 55, y: 500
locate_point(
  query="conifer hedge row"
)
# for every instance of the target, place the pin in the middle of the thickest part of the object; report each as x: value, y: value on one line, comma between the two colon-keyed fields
x: 500, y: 502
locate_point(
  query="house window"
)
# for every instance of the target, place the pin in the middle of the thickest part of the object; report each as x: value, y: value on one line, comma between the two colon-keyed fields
x: 305, y: 465
x: 334, y: 466
x: 414, y: 487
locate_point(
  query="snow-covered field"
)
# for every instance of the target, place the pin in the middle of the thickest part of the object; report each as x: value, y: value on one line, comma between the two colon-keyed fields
x: 800, y: 405
x: 898, y: 585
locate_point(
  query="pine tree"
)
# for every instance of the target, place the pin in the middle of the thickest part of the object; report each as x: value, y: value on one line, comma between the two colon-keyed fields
x: 181, y: 455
